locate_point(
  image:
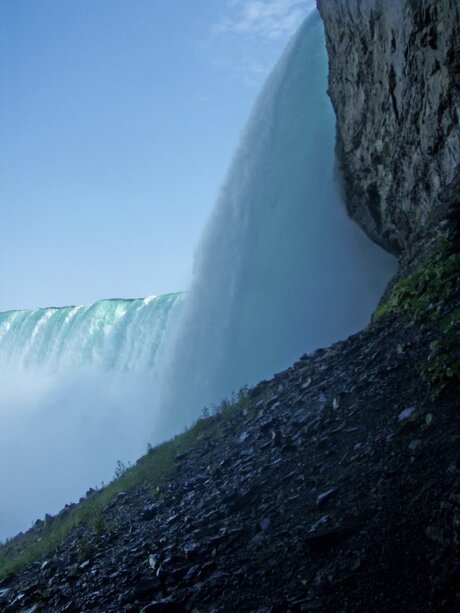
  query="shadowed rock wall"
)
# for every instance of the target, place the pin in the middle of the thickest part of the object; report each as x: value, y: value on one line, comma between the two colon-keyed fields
x: 394, y: 82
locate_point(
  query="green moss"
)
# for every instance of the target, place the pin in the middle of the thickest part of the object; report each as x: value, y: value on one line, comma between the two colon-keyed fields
x: 451, y: 322
x: 153, y: 469
x: 431, y: 294
x: 442, y: 367
x: 441, y: 373
x: 425, y: 292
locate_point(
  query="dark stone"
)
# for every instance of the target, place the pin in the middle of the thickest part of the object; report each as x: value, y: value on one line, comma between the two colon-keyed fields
x: 265, y: 524
x: 5, y: 593
x: 324, y: 498
x: 321, y: 539
x: 166, y: 605
x: 147, y: 586
x: 150, y: 511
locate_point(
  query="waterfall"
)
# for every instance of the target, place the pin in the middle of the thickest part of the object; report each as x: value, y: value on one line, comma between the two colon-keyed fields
x: 281, y: 269
x: 120, y: 335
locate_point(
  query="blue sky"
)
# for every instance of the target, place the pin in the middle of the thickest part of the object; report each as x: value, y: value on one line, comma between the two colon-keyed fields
x: 118, y: 119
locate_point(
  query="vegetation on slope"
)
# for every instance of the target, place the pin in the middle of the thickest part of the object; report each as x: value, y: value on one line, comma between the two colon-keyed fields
x: 431, y: 292
x: 427, y: 290
x: 153, y: 469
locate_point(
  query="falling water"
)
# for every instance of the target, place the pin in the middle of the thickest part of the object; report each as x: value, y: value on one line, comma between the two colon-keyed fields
x: 121, y: 335
x: 281, y: 269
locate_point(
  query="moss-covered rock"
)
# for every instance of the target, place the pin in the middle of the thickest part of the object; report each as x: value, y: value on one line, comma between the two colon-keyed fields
x: 428, y: 291
x: 430, y: 294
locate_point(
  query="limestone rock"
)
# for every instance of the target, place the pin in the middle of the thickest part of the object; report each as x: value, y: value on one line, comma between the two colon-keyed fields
x: 395, y: 86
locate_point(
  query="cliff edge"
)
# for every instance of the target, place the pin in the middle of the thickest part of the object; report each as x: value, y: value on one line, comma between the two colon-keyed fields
x: 394, y: 81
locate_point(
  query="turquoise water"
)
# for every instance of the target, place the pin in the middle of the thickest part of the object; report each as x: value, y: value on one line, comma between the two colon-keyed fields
x: 112, y: 335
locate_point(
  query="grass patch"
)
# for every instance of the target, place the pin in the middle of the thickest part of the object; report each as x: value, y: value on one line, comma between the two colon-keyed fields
x: 151, y: 470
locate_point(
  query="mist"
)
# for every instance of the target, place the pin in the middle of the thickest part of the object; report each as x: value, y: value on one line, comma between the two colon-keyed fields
x: 77, y: 390
x: 60, y: 435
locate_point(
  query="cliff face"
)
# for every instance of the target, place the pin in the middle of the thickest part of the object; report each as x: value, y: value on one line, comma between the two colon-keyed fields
x: 395, y: 85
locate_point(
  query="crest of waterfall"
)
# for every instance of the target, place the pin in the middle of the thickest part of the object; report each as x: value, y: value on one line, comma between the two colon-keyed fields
x: 118, y: 335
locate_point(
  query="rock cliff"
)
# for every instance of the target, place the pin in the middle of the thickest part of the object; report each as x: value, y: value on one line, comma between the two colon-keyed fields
x: 394, y: 82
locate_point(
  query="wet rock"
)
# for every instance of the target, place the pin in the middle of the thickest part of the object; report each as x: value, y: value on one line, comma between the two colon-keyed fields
x: 355, y: 564
x: 415, y: 444
x: 192, y: 573
x: 265, y: 524
x: 311, y: 605
x: 150, y: 511
x: 5, y: 593
x: 272, y: 402
x: 243, y: 437
x: 325, y: 497
x: 167, y: 605
x: 147, y: 586
x: 154, y: 561
x: 52, y: 564
x: 406, y: 414
x: 257, y: 540
x: 33, y: 609
x: 217, y: 578
x: 191, y: 550
x: 323, y: 539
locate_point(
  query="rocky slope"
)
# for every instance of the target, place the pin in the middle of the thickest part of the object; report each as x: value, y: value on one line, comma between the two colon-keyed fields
x: 334, y: 487
x: 395, y: 85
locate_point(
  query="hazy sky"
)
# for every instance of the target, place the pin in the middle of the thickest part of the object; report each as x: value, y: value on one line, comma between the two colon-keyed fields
x: 118, y: 119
